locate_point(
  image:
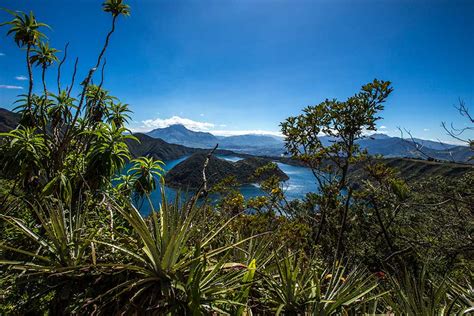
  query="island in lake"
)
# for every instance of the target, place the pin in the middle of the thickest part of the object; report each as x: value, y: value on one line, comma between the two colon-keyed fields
x: 188, y: 173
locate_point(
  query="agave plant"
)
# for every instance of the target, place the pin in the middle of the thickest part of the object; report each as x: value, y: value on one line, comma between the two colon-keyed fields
x: 175, y: 267
x: 417, y: 293
x: 297, y: 286
x: 59, y: 250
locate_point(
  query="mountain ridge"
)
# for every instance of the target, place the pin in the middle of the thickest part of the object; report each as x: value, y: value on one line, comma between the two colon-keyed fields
x: 266, y: 145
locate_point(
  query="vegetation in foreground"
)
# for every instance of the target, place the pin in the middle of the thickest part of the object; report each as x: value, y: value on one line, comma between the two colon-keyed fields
x: 71, y: 241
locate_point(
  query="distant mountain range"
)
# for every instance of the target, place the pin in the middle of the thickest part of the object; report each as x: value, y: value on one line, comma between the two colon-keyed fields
x: 176, y: 140
x: 265, y: 145
x: 178, y: 134
x: 250, y: 144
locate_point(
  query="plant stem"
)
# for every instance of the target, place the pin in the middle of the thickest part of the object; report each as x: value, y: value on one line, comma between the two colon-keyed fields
x: 30, y: 76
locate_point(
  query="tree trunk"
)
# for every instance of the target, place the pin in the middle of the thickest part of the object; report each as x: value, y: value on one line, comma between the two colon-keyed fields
x: 30, y: 77
x: 343, y: 224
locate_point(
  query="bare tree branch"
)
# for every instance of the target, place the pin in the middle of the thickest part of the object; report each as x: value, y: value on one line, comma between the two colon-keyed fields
x: 204, y: 169
x: 59, y: 67
x: 412, y: 142
x: 73, y: 77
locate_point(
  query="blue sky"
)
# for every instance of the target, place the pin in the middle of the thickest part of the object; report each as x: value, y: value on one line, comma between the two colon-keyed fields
x: 237, y: 66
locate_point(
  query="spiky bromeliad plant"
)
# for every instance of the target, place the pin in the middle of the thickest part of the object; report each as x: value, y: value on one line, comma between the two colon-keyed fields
x: 418, y: 293
x: 294, y: 285
x: 176, y: 265
x: 58, y: 255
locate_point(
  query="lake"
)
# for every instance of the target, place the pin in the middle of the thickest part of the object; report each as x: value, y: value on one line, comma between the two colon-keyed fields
x: 301, y: 181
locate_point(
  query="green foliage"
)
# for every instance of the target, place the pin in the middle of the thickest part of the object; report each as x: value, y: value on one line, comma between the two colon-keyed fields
x: 145, y: 171
x: 71, y: 240
x: 345, y: 122
x: 108, y: 152
x: 23, y: 155
x: 415, y: 293
x: 25, y: 28
x: 190, y: 278
x: 117, y: 114
x: 43, y: 55
x: 304, y: 287
x: 116, y: 7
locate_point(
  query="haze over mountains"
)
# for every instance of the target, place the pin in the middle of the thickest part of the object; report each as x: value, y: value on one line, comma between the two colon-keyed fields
x: 265, y: 145
x: 176, y: 140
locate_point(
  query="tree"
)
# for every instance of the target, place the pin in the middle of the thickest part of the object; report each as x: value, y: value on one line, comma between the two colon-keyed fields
x: 117, y: 113
x: 44, y: 56
x: 344, y: 122
x: 25, y: 30
x: 457, y: 133
x: 146, y: 170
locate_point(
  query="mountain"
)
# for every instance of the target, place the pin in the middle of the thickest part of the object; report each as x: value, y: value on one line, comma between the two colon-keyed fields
x: 164, y: 143
x: 262, y: 145
x: 413, y: 148
x: 157, y: 148
x: 161, y: 150
x: 188, y: 173
x: 8, y: 120
x: 178, y: 134
x: 265, y: 145
x: 250, y: 140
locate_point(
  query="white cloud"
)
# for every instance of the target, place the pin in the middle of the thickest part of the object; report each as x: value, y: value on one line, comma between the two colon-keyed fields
x: 21, y: 78
x: 383, y: 127
x: 190, y: 124
x: 2, y: 86
x: 426, y: 129
x: 148, y: 125
x: 201, y: 114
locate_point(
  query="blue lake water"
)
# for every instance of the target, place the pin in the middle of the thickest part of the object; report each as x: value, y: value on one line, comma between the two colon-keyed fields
x: 301, y: 181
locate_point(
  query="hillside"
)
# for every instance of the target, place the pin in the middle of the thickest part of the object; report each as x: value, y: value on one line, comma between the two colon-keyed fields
x: 178, y: 134
x: 416, y: 169
x: 249, y: 144
x: 157, y: 148
x: 8, y: 120
x: 413, y: 169
x: 265, y: 145
x: 188, y: 174
x: 174, y: 146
